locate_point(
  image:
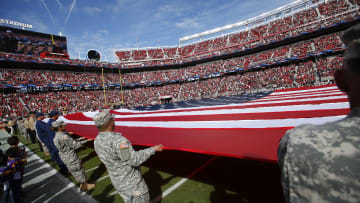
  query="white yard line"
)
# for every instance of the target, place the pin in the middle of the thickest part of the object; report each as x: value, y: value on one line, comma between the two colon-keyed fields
x: 70, y: 185
x: 113, y: 193
x: 37, y: 199
x: 91, y: 169
x: 32, y: 163
x: 169, y: 190
x: 102, y: 178
x: 182, y: 181
x: 82, y: 156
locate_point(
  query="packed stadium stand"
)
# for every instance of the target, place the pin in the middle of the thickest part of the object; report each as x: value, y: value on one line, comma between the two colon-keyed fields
x: 296, y: 19
x: 297, y: 45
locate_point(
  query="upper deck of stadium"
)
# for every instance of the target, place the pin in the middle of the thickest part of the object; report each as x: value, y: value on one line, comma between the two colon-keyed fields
x: 298, y: 21
x: 291, y: 20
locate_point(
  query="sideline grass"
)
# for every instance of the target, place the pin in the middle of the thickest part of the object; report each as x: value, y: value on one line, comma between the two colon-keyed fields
x: 224, y: 180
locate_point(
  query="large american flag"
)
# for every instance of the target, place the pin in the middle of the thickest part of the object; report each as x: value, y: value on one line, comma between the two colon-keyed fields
x: 244, y: 126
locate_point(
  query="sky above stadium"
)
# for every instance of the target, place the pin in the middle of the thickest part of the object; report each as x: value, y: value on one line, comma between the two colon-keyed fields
x: 119, y: 24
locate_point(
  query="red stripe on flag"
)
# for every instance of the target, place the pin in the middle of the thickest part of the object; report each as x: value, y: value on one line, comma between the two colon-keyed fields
x: 237, y: 142
x: 78, y: 117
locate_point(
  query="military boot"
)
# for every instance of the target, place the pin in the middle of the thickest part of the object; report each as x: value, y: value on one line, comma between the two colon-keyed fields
x: 86, y: 186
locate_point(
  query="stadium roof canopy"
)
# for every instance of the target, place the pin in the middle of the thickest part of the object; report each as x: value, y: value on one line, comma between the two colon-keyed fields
x: 283, y: 11
x: 264, y: 18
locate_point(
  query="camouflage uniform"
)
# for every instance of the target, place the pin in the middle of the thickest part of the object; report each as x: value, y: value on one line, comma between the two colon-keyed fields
x: 322, y: 163
x: 122, y: 163
x: 67, y: 146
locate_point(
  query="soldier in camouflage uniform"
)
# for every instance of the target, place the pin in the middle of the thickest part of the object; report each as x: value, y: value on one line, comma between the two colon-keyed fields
x: 322, y: 163
x: 121, y: 160
x: 67, y: 146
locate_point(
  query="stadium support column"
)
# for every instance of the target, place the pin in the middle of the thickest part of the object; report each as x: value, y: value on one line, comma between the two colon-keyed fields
x: 103, y: 81
x: 121, y: 88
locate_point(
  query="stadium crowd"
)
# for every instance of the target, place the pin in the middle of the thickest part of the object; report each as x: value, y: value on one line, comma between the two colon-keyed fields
x: 308, y: 73
x: 307, y: 20
x: 299, y: 50
x: 300, y: 74
x: 189, y: 80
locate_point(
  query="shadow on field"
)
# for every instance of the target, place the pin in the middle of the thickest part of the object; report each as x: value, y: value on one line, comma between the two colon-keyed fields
x: 104, y: 195
x: 234, y: 180
x: 97, y: 173
x: 89, y: 156
x: 156, y: 181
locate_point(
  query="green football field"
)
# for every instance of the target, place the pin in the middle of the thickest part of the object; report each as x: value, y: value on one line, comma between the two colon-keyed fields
x: 184, y: 177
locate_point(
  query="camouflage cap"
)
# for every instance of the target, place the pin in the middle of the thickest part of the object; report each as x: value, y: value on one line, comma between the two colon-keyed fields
x: 102, y: 118
x: 57, y: 124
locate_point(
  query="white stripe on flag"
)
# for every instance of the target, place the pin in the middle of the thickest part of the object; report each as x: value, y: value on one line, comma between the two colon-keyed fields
x: 299, y: 95
x: 305, y: 91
